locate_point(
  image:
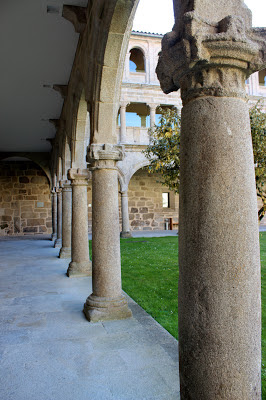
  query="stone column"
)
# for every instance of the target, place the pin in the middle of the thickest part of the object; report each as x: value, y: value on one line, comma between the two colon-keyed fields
x: 107, y: 300
x: 123, y: 125
x: 152, y: 114
x: 219, y: 260
x: 80, y: 264
x: 54, y: 214
x: 127, y: 69
x: 58, y: 241
x: 65, y: 251
x: 125, y: 216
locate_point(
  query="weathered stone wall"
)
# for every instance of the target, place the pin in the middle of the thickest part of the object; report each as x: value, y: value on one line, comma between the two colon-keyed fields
x: 145, y: 204
x: 25, y: 203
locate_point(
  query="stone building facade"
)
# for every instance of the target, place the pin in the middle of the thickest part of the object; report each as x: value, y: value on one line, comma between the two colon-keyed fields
x: 25, y: 199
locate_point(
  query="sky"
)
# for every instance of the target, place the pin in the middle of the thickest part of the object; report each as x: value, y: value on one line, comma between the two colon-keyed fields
x: 157, y: 16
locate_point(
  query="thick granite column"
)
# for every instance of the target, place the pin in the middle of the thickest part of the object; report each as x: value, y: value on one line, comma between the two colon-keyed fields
x: 54, y: 214
x: 219, y: 261
x: 107, y: 300
x: 80, y: 264
x: 125, y: 216
x: 58, y: 241
x: 65, y: 251
x: 123, y: 124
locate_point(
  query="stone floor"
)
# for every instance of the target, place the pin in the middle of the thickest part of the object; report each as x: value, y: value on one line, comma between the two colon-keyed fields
x: 49, y: 351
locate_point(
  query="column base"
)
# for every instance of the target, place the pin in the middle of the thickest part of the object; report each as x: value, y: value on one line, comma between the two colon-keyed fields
x: 106, y: 308
x: 125, y: 234
x: 53, y: 237
x: 58, y: 243
x: 77, y: 269
x: 65, y: 252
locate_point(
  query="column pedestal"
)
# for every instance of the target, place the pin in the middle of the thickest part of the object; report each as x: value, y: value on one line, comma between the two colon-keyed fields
x: 65, y: 251
x: 125, y: 216
x: 107, y: 300
x: 58, y: 241
x: 80, y: 264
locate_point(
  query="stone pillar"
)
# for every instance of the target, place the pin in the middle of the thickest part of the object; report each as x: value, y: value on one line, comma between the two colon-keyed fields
x: 152, y: 114
x: 65, y: 251
x: 127, y: 69
x: 80, y: 264
x: 54, y: 214
x: 107, y: 301
x: 125, y: 216
x: 219, y: 260
x: 123, y: 124
x: 58, y: 241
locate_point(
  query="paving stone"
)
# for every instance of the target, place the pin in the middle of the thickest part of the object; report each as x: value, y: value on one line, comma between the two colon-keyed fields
x: 49, y: 351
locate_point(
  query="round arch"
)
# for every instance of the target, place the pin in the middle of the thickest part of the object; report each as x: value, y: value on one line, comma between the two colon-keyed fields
x: 38, y: 158
x: 109, y: 82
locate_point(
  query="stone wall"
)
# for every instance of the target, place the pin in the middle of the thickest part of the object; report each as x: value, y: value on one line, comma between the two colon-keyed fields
x: 25, y: 203
x: 146, y: 211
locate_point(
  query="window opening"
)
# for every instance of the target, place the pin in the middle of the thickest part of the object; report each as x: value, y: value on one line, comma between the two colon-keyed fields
x: 166, y: 200
x: 136, y: 61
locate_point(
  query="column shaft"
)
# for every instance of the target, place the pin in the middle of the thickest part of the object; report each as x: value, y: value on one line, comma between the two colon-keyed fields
x: 123, y: 126
x: 125, y: 216
x: 65, y: 251
x: 58, y: 241
x: 54, y: 214
x: 219, y: 260
x: 80, y: 264
x: 152, y: 116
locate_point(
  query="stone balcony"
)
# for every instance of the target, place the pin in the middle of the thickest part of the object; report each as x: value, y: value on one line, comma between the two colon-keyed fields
x: 135, y: 135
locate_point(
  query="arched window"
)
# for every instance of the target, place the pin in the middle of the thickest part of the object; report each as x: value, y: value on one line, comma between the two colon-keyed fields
x: 262, y: 77
x: 136, y: 61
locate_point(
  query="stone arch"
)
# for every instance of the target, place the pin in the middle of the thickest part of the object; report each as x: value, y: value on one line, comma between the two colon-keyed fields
x: 136, y: 168
x: 109, y: 82
x: 66, y: 156
x: 59, y: 169
x: 80, y: 129
x: 121, y: 180
x: 28, y: 210
x: 38, y: 158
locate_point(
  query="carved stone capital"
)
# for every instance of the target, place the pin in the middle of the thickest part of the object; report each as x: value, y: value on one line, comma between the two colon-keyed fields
x: 208, y: 57
x: 58, y: 190
x: 65, y: 185
x: 79, y: 177
x: 105, y: 155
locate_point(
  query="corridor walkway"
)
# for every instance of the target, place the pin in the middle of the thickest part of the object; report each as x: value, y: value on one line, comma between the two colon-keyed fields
x: 49, y: 351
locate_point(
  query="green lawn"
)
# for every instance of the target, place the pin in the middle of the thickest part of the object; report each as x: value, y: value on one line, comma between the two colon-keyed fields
x: 150, y: 277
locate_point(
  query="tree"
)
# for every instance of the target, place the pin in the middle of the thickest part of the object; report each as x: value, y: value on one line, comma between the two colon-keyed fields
x: 163, y: 150
x: 258, y: 133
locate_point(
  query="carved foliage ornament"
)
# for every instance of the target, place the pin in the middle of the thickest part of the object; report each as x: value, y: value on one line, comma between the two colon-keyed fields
x: 206, y: 57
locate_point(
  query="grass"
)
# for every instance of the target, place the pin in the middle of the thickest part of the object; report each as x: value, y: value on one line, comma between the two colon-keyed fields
x: 150, y: 277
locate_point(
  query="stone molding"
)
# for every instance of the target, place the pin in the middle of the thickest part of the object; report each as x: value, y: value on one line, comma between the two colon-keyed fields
x: 209, y: 58
x: 58, y: 190
x: 79, y: 177
x: 105, y: 156
x: 65, y: 185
